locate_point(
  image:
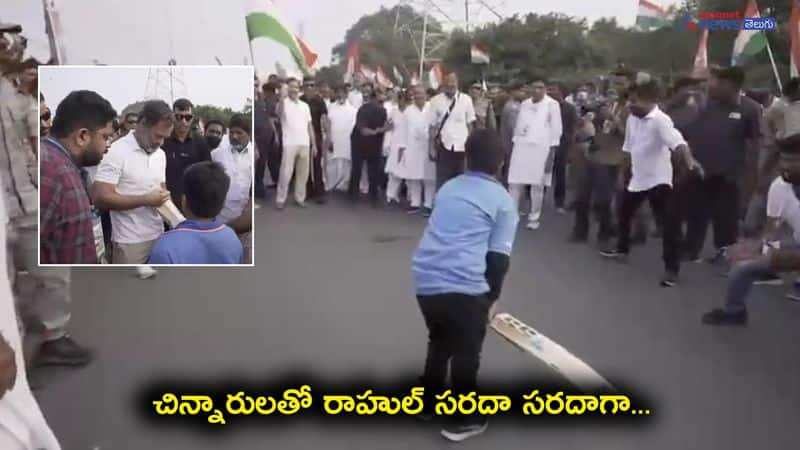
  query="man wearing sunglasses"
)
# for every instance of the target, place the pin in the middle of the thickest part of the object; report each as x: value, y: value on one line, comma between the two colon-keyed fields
x: 182, y: 148
x: 129, y: 123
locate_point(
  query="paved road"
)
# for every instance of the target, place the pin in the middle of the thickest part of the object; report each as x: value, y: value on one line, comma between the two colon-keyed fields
x: 331, y: 291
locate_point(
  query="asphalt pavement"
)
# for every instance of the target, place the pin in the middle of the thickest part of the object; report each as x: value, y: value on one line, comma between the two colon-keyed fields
x: 331, y: 293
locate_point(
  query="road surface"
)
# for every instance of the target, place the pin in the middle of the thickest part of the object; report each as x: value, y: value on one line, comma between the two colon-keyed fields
x: 331, y: 291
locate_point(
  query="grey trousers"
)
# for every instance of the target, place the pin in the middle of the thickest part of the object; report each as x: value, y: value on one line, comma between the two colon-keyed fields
x: 43, y: 307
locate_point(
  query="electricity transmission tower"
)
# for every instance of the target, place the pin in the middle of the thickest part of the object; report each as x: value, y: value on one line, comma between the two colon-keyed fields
x: 165, y: 83
x: 451, y: 14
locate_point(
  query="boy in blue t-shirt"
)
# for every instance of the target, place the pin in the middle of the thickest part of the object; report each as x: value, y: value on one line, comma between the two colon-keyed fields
x: 200, y: 239
x: 459, y: 269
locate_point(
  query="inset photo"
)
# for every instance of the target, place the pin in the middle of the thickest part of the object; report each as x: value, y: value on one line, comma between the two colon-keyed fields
x: 146, y: 165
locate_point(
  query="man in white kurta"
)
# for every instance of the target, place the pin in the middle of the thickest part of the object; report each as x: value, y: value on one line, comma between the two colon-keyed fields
x: 537, y: 133
x: 393, y: 141
x: 417, y: 167
x: 342, y: 116
x: 22, y: 425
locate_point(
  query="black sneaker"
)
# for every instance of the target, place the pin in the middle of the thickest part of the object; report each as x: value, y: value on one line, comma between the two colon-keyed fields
x: 670, y: 279
x: 62, y: 352
x: 612, y: 253
x: 426, y: 212
x: 462, y: 432
x: 769, y: 280
x: 722, y: 317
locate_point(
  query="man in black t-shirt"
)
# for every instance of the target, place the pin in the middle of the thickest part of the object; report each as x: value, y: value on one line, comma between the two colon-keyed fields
x: 719, y: 137
x: 183, y: 148
x: 319, y: 120
x: 367, y: 139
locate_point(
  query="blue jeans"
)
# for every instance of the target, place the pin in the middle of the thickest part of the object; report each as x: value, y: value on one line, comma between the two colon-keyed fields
x: 744, y: 274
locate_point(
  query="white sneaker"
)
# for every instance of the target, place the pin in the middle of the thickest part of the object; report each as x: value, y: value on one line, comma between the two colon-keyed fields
x: 145, y: 272
x: 256, y: 206
x: 532, y: 225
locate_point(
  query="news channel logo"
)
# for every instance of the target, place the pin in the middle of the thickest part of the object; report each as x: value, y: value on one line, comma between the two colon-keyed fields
x: 733, y: 21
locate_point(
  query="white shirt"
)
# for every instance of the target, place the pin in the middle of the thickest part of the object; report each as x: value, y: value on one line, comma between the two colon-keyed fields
x: 239, y: 167
x: 343, y: 120
x: 295, y: 121
x: 783, y: 204
x: 455, y: 132
x: 355, y: 98
x: 134, y: 172
x: 650, y: 141
x: 539, y: 123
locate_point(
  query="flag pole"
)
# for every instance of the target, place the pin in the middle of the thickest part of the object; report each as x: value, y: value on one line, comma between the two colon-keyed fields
x: 774, y: 67
x: 422, y: 50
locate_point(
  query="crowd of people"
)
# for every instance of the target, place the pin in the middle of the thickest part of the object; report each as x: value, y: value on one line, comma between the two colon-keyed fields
x: 702, y: 151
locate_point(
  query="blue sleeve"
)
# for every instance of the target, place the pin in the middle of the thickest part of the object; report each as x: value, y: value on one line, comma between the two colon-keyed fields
x: 159, y: 254
x: 505, y: 227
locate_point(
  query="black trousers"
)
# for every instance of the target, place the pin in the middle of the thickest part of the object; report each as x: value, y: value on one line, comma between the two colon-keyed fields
x: 456, y: 330
x: 316, y: 184
x: 560, y: 175
x: 449, y: 164
x: 261, y: 166
x: 664, y: 208
x: 372, y: 157
x: 712, y: 199
x: 595, y: 193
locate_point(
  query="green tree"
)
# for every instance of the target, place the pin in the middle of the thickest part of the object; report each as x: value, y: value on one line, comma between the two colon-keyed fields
x: 387, y: 38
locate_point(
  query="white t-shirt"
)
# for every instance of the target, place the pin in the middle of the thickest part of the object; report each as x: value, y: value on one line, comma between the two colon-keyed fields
x: 239, y: 167
x: 650, y: 141
x: 783, y: 204
x: 134, y: 172
x: 455, y: 132
x: 295, y: 121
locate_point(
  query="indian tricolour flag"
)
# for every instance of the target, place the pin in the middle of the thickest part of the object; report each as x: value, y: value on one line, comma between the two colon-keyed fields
x: 650, y: 15
x: 478, y: 55
x: 264, y: 21
x: 748, y: 42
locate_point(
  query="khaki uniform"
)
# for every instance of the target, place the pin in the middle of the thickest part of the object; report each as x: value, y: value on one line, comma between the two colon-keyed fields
x: 48, y: 304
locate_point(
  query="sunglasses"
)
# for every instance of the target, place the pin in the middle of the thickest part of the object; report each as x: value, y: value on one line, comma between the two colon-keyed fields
x: 185, y: 117
x: 45, y: 116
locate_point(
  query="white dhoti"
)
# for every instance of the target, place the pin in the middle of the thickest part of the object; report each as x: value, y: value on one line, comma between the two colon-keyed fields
x: 527, y: 168
x: 342, y: 117
x: 22, y: 425
x: 338, y: 174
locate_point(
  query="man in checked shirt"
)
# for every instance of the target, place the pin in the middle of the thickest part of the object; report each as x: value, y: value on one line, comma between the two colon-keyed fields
x: 81, y: 134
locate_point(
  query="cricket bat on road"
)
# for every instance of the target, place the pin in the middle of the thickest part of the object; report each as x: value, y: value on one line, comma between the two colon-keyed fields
x: 527, y: 339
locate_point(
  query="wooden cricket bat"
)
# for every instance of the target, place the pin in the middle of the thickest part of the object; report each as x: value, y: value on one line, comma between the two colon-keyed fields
x: 170, y: 213
x: 527, y: 339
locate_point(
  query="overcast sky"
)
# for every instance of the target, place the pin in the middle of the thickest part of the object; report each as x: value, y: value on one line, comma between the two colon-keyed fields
x: 220, y: 86
x: 138, y: 32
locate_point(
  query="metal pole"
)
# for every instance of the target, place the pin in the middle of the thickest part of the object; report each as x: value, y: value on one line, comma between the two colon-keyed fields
x: 774, y: 68
x: 466, y: 15
x: 422, y: 50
